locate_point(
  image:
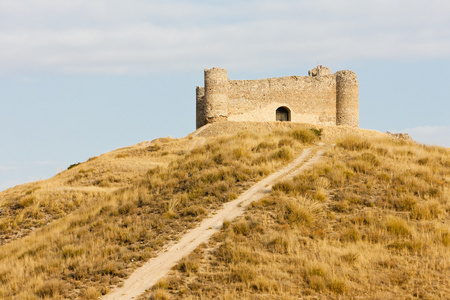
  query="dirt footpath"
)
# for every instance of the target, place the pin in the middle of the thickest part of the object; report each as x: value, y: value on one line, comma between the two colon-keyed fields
x: 147, y: 275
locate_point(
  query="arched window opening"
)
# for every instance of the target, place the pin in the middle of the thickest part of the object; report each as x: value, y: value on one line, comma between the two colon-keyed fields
x: 283, y: 114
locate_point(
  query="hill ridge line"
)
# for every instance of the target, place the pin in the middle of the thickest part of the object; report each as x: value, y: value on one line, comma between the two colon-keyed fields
x: 146, y: 276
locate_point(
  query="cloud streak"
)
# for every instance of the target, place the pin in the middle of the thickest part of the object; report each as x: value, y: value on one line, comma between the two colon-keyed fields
x: 136, y: 36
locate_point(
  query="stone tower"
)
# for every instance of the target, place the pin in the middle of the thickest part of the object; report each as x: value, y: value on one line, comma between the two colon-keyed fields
x: 216, y: 95
x: 347, y: 99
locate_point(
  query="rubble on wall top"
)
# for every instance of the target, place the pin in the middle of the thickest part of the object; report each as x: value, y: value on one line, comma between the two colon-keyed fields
x: 319, y: 71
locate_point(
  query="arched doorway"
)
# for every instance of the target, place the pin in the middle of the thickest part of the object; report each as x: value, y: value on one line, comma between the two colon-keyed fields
x: 283, y: 114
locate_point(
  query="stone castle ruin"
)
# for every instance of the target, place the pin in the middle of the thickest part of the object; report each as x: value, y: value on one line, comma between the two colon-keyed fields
x: 320, y: 98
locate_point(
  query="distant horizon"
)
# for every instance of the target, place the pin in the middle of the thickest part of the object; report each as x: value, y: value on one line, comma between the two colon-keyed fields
x: 6, y: 185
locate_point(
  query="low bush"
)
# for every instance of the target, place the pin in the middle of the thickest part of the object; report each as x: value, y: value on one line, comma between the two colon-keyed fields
x: 73, y: 165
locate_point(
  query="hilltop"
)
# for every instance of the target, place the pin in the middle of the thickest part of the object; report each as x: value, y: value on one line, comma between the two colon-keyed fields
x: 370, y: 220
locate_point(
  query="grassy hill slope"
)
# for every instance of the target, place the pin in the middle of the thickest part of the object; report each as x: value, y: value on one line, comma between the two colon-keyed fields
x: 86, y: 229
x: 369, y: 222
x: 372, y: 218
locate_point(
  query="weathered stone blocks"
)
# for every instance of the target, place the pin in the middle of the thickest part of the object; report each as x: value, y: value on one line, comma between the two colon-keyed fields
x: 320, y: 98
x: 347, y: 99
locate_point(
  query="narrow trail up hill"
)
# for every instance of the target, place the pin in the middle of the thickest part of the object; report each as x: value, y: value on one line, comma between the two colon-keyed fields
x: 148, y: 275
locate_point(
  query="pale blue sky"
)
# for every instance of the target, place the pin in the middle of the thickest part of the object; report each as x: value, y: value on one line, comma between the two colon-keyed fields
x: 79, y: 78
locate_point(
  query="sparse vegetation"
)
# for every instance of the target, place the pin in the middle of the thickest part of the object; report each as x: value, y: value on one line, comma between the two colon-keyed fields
x: 370, y: 220
x: 83, y: 231
x: 73, y: 166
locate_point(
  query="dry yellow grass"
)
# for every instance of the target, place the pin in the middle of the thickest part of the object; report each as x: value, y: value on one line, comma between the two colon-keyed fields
x: 28, y: 207
x: 371, y: 221
x: 83, y: 231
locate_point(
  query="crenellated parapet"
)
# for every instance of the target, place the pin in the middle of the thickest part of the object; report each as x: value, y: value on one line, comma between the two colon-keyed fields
x: 319, y: 98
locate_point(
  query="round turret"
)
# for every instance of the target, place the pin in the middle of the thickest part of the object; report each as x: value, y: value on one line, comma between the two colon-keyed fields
x: 347, y: 99
x: 216, y: 95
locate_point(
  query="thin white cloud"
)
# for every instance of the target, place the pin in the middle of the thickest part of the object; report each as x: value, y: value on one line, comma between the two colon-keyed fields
x: 139, y: 36
x: 431, y: 135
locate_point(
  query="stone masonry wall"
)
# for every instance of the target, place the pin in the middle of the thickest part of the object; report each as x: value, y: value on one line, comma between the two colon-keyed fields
x: 321, y: 98
x: 309, y: 99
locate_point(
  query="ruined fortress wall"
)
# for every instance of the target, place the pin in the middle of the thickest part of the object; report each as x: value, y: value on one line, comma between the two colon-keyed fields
x: 309, y: 99
x: 347, y: 99
x: 319, y: 98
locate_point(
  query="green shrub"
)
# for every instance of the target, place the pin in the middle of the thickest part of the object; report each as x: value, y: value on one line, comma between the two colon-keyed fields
x: 317, y: 132
x: 73, y: 165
